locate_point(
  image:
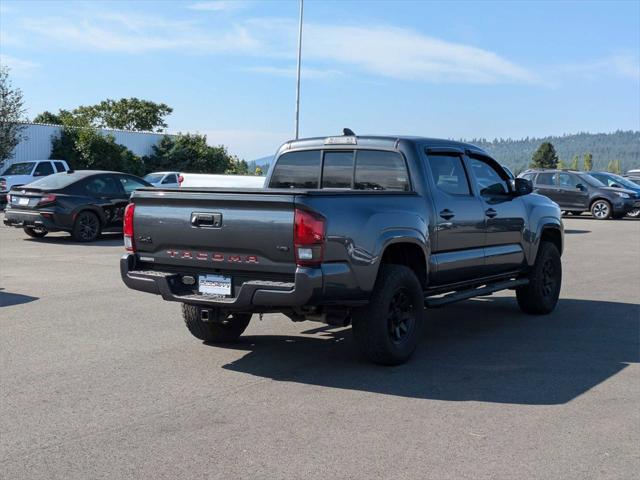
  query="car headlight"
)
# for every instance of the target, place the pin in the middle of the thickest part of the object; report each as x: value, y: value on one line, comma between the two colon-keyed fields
x: 622, y: 195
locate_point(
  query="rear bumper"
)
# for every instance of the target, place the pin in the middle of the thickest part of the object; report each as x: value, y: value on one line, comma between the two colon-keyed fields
x: 22, y: 218
x: 308, y: 288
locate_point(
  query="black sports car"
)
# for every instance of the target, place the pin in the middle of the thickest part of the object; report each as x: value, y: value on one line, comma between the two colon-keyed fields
x: 84, y: 203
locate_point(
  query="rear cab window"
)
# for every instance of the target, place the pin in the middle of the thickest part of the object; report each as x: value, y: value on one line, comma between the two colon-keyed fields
x: 342, y: 169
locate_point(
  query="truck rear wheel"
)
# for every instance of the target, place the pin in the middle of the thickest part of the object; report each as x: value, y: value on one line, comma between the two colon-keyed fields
x: 541, y: 295
x: 389, y: 328
x: 219, y: 331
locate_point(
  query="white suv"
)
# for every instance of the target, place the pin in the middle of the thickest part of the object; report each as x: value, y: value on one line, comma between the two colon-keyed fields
x: 21, y: 173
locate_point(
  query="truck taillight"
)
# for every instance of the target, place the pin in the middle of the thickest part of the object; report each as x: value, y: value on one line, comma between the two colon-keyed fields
x: 127, y: 228
x: 308, y: 238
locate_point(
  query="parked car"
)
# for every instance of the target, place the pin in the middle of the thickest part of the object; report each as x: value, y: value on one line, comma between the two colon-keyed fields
x: 633, y: 178
x: 617, y: 181
x: 349, y: 230
x: 164, y: 179
x: 22, y: 173
x: 576, y: 192
x: 84, y: 203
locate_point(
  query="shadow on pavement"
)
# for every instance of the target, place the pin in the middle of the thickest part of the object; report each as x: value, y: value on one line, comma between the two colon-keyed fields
x: 105, y: 240
x: 570, y: 231
x: 8, y: 299
x: 479, y: 350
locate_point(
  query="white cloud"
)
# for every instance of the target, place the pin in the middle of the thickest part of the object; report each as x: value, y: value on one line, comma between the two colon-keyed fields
x: 18, y: 66
x: 624, y: 65
x: 219, y: 5
x: 384, y: 51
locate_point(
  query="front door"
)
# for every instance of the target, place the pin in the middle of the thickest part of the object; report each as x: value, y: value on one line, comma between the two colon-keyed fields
x: 458, y: 248
x: 504, y: 216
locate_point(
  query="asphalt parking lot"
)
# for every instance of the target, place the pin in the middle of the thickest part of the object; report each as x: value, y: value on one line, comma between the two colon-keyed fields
x: 98, y: 381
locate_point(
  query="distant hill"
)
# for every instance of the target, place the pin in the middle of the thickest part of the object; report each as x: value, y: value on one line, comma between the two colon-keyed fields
x: 516, y: 154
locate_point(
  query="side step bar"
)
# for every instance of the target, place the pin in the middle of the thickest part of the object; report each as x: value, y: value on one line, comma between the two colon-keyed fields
x: 474, y: 292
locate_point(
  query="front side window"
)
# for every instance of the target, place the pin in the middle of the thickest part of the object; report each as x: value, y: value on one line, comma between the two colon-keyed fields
x: 488, y: 180
x: 568, y: 181
x: 297, y: 170
x: 170, y: 179
x: 43, y: 169
x: 448, y: 174
x: 102, y: 186
x: 380, y: 170
x: 130, y: 184
x: 547, y: 179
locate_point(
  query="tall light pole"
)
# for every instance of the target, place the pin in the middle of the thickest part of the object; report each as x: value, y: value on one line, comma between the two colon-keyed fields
x: 298, y: 73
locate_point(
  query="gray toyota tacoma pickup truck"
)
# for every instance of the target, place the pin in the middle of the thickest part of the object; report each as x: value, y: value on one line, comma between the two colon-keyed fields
x: 360, y: 230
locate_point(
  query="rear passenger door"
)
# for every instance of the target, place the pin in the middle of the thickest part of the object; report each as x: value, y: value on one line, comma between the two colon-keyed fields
x: 105, y: 192
x: 458, y: 251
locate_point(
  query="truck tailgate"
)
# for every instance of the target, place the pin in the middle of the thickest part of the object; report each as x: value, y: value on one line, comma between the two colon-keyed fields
x: 226, y: 230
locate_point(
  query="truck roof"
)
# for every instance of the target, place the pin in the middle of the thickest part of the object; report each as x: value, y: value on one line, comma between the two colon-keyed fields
x: 380, y: 141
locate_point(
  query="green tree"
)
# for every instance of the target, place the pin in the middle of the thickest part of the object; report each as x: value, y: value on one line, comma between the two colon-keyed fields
x: 588, y: 162
x: 12, y: 113
x: 545, y: 156
x: 575, y: 161
x: 188, y: 153
x: 617, y: 167
x: 125, y: 114
x: 561, y: 165
x: 259, y: 172
x: 610, y: 166
x: 84, y: 147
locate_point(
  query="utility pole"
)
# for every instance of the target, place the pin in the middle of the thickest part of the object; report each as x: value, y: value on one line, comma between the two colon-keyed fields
x: 298, y: 73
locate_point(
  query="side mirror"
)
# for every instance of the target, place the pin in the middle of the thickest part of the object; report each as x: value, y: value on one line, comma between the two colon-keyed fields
x: 615, y: 185
x: 522, y: 186
x: 581, y: 187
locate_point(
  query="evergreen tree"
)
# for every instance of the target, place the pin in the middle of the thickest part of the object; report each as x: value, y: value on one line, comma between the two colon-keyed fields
x: 545, y: 156
x: 575, y: 162
x: 588, y: 162
x: 561, y: 165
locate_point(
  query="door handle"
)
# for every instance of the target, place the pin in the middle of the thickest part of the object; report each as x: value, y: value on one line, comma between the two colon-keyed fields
x: 447, y: 214
x: 210, y: 220
x: 490, y: 213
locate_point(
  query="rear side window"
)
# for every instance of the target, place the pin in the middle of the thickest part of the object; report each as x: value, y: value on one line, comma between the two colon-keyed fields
x: 337, y: 169
x: 102, y: 186
x: 546, y: 179
x: 43, y: 169
x: 528, y: 176
x: 379, y: 170
x: 449, y: 174
x: 297, y: 170
x: 59, y: 167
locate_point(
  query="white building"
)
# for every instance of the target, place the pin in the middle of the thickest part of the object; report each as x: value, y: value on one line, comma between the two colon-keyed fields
x: 37, y: 142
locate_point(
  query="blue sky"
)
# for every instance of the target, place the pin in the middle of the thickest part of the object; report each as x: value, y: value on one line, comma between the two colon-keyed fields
x: 443, y: 69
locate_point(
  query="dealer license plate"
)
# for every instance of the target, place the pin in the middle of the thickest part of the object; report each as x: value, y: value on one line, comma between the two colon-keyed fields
x: 218, y: 285
x: 23, y: 200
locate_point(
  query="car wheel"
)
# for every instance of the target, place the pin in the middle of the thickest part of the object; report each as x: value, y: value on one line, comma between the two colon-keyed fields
x: 86, y: 227
x: 388, y: 329
x: 35, y: 232
x: 224, y: 330
x: 541, y: 294
x: 635, y: 213
x: 601, y: 209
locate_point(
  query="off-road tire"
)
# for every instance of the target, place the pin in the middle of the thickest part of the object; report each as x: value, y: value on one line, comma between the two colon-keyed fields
x: 35, y: 232
x: 388, y: 329
x: 86, y: 227
x: 541, y: 295
x: 225, y: 331
x: 601, y: 210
